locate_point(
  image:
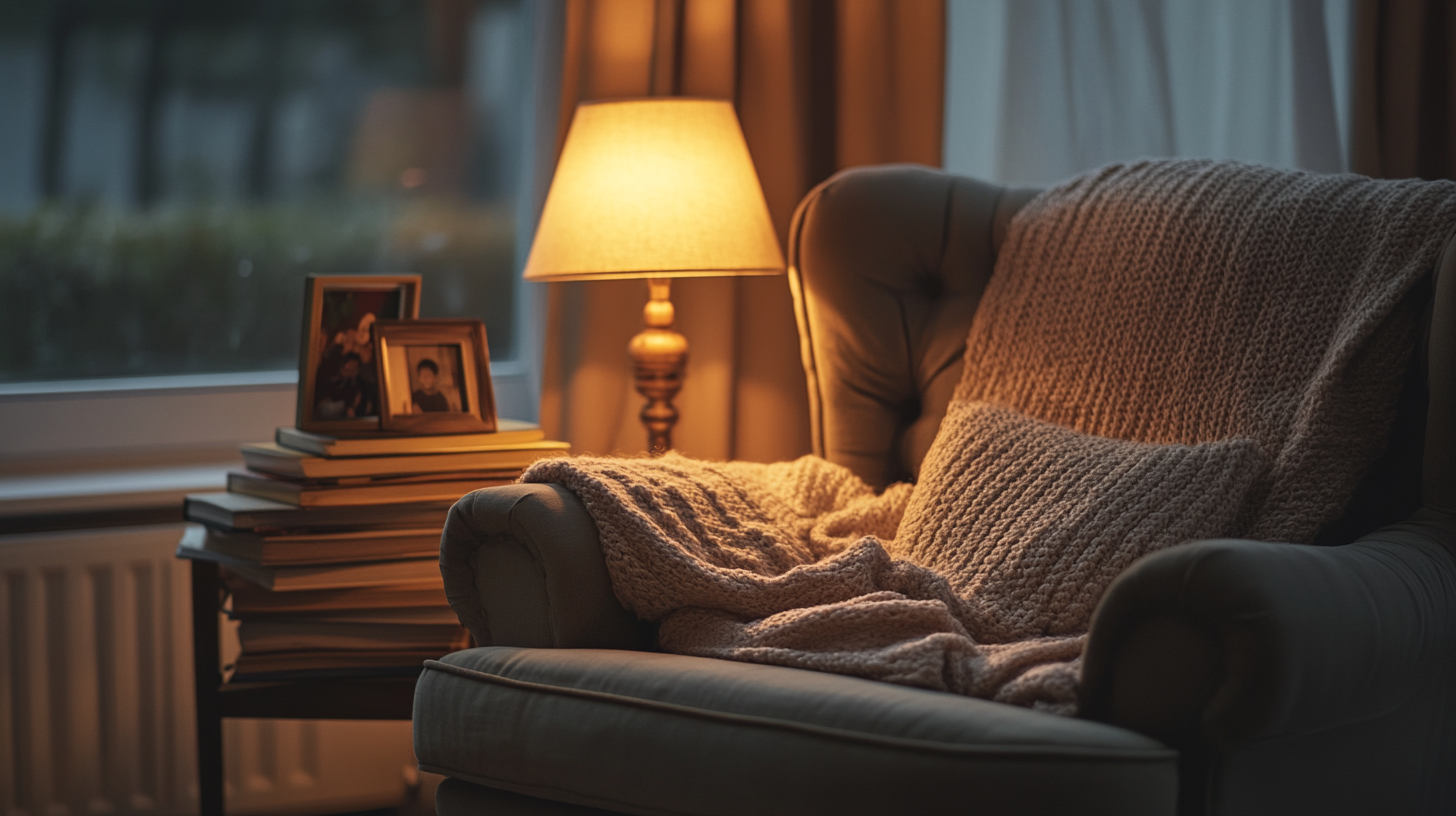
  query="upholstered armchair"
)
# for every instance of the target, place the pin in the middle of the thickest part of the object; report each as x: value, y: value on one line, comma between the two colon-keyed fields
x: 1221, y: 676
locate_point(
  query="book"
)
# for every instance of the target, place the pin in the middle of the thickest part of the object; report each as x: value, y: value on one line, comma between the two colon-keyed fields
x: 270, y: 457
x: 424, y: 571
x: 313, y: 495
x: 293, y: 635
x: 269, y: 666
x: 325, y: 548
x: 249, y: 599
x: 511, y: 432
x: 235, y: 511
x: 409, y: 614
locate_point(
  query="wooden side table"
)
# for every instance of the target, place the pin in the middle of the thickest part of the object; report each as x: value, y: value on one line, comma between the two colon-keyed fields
x: 364, y: 699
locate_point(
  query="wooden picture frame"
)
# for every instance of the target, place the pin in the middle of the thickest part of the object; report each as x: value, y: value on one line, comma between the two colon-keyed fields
x: 435, y: 376
x: 338, y: 379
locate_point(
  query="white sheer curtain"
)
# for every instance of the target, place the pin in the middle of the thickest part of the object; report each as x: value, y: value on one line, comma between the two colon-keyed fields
x: 1037, y: 90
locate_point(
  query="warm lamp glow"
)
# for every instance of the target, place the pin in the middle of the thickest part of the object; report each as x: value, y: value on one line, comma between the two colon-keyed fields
x: 654, y: 188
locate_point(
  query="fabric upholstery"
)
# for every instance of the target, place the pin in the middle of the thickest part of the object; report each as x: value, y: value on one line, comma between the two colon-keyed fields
x: 888, y: 265
x: 1295, y: 679
x: 653, y: 733
x: 1289, y: 678
x: 523, y: 567
x: 1438, y: 468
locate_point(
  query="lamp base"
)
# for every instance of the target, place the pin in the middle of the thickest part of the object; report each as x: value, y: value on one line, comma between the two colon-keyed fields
x: 659, y: 361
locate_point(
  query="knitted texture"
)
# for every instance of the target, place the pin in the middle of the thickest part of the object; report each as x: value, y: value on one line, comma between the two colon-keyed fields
x: 677, y: 532
x: 1096, y: 504
x: 1188, y: 301
x: 784, y: 564
x: 1167, y: 350
x: 1257, y: 315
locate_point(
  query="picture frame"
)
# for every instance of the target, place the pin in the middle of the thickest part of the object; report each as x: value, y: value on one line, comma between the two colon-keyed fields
x: 338, y: 378
x: 435, y: 376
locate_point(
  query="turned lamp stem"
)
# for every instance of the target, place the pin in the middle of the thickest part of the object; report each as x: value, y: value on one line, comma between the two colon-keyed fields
x: 659, y: 356
x: 655, y: 188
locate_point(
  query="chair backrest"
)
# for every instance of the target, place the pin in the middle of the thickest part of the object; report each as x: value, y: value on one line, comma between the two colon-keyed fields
x: 888, y: 264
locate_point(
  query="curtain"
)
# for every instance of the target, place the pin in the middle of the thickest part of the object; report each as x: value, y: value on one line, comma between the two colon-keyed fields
x: 1039, y: 90
x: 1405, y: 89
x: 819, y: 85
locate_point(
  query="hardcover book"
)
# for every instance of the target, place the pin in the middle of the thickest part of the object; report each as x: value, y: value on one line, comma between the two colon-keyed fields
x: 422, y: 571
x: 235, y: 511
x: 443, y: 615
x: 270, y: 666
x: 256, y: 635
x: 282, y: 549
x: 512, y: 432
x: 399, y: 491
x: 270, y: 457
x: 251, y: 600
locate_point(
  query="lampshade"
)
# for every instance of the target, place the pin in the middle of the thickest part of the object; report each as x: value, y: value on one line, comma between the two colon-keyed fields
x: 659, y: 188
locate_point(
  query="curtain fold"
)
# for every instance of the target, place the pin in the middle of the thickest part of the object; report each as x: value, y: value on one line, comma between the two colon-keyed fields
x: 1405, y: 89
x: 819, y: 85
x: 1043, y: 89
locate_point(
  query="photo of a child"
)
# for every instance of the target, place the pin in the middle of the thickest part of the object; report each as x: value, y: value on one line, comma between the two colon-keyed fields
x: 435, y: 379
x: 427, y: 396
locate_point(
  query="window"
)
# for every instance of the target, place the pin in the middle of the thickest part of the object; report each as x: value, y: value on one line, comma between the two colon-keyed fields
x: 170, y: 171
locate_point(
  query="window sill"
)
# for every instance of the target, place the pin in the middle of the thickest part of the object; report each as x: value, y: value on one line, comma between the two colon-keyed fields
x: 44, y: 424
x: 173, y: 383
x: 93, y: 453
x: 66, y: 501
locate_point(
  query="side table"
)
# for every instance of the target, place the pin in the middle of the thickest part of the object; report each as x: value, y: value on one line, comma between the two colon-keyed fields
x: 362, y: 699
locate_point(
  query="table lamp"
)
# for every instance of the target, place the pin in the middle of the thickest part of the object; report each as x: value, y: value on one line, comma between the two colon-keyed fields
x: 656, y: 189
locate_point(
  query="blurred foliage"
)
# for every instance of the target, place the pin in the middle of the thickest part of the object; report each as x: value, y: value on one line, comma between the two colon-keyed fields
x: 89, y: 291
x: 196, y: 261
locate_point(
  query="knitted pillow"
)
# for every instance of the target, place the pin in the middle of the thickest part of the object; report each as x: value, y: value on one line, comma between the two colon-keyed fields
x: 1030, y: 522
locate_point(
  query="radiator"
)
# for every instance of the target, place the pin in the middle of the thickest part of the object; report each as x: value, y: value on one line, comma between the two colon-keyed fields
x: 96, y: 709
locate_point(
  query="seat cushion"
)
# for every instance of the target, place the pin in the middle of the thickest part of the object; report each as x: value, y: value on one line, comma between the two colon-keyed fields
x: 650, y: 733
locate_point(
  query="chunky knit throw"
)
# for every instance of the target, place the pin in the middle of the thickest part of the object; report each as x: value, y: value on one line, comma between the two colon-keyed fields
x: 1167, y: 350
x: 1186, y: 301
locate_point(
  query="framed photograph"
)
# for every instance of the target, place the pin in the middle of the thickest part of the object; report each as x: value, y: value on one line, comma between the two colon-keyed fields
x: 338, y: 372
x: 435, y: 375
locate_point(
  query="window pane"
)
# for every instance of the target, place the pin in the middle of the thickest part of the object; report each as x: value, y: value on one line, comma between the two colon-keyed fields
x: 171, y: 170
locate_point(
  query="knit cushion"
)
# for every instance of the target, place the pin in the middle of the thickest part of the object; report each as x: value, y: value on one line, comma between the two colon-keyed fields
x: 1030, y: 521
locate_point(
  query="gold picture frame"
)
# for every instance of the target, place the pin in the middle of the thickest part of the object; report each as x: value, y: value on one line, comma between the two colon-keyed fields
x: 338, y: 379
x: 435, y: 376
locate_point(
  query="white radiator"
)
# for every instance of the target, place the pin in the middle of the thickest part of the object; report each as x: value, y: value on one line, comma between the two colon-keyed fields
x: 96, y: 709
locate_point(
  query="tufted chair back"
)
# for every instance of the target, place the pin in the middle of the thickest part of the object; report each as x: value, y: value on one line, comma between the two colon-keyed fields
x: 887, y: 266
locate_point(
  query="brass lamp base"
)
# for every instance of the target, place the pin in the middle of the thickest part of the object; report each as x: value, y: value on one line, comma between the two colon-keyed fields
x: 659, y: 359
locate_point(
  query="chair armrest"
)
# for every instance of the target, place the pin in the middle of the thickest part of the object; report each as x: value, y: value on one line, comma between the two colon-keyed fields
x: 1234, y: 641
x: 523, y: 567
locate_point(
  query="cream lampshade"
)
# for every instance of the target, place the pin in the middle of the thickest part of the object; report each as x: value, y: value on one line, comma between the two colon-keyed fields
x: 657, y: 189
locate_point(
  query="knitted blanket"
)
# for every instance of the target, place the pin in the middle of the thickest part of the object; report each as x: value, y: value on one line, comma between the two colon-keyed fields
x: 1167, y: 350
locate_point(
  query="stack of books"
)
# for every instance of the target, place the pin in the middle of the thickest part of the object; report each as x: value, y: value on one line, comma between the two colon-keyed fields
x: 329, y: 546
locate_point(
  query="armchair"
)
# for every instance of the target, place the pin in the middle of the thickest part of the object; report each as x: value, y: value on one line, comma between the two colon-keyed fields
x: 1221, y: 676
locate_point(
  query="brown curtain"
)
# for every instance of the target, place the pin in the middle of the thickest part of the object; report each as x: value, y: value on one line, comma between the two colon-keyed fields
x: 819, y: 85
x: 1405, y: 89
